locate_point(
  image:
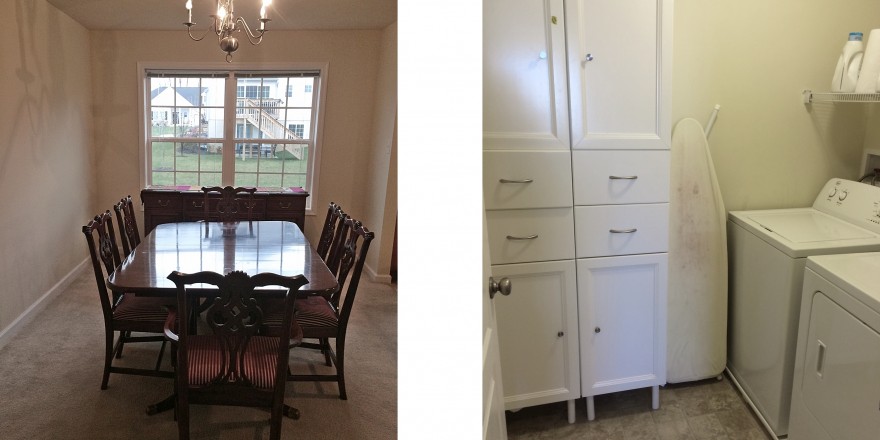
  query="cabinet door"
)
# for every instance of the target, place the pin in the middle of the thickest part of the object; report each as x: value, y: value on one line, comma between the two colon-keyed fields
x: 620, y: 65
x: 525, y: 97
x: 622, y: 310
x: 538, y: 333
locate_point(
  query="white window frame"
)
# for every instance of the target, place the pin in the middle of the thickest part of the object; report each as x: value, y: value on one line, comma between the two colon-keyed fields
x: 313, y: 167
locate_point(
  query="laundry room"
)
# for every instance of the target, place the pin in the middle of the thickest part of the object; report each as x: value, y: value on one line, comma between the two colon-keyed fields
x: 661, y: 180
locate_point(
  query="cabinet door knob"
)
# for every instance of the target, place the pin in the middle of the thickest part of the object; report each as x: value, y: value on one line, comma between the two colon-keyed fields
x: 589, y: 57
x: 504, y: 287
x: 622, y: 231
x: 597, y: 330
x: 560, y: 334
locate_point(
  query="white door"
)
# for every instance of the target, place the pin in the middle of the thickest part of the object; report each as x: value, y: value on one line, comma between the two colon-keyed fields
x: 494, y: 424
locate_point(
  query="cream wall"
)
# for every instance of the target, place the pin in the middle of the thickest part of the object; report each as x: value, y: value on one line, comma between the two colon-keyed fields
x: 353, y: 57
x: 754, y: 57
x: 46, y: 161
x: 378, y: 196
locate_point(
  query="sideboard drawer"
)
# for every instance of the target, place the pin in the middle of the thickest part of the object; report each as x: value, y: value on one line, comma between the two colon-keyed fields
x: 604, y: 177
x: 527, y: 179
x: 525, y: 235
x: 621, y: 229
x: 161, y: 201
x: 285, y: 204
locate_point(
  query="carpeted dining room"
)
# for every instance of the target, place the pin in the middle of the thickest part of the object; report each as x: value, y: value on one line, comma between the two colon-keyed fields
x: 50, y: 374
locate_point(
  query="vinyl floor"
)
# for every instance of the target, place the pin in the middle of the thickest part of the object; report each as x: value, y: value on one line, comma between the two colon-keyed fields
x: 708, y: 409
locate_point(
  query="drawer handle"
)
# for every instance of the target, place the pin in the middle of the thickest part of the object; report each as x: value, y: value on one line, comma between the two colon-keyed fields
x: 283, y: 205
x: 623, y: 177
x: 622, y: 231
x: 515, y: 181
x: 197, y: 204
x: 163, y: 204
x: 530, y: 237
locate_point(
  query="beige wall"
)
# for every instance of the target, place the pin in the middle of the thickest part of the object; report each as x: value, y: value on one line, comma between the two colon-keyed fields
x: 353, y: 58
x: 378, y: 197
x: 46, y: 165
x: 754, y: 57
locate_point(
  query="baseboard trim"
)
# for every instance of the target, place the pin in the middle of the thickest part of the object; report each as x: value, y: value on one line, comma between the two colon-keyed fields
x: 376, y: 278
x: 28, y: 315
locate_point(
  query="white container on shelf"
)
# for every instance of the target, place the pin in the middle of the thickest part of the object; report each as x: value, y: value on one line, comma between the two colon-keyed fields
x: 846, y: 74
x: 868, y: 73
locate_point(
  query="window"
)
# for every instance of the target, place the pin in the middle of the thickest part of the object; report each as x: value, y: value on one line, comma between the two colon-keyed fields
x: 308, y: 88
x: 297, y: 129
x: 271, y: 144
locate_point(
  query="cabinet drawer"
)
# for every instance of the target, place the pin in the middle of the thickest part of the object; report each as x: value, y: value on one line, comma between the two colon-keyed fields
x: 530, y: 235
x: 527, y: 179
x: 603, y: 177
x: 161, y: 202
x: 621, y: 229
x: 280, y: 204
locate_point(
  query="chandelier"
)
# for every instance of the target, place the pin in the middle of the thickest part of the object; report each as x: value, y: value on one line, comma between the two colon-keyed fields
x: 225, y: 24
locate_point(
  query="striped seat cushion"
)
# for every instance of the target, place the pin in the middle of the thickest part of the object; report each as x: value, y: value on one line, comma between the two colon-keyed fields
x: 315, y: 311
x: 205, y: 358
x: 141, y: 309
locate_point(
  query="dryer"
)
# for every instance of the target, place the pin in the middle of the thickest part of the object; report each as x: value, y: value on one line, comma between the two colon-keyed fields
x: 836, y: 388
x: 768, y: 252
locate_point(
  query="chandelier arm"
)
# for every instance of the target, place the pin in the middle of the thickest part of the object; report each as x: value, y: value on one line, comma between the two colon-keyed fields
x: 189, y: 32
x: 254, y: 39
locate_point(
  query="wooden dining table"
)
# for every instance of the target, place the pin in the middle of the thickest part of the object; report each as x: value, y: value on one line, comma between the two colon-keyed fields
x: 252, y: 247
x: 249, y: 246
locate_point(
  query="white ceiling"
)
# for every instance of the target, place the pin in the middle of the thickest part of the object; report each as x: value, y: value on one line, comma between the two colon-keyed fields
x: 285, y: 14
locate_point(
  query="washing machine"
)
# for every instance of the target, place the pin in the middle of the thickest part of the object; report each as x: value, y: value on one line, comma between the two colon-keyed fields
x: 836, y: 390
x: 768, y: 252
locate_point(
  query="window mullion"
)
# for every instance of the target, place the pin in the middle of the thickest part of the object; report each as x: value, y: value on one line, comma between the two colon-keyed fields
x: 230, y: 122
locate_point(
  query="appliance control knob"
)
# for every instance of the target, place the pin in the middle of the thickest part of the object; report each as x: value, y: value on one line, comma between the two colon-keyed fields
x: 842, y: 195
x: 833, y: 192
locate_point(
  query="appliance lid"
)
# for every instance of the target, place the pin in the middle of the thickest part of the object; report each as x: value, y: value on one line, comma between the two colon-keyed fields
x: 809, y: 226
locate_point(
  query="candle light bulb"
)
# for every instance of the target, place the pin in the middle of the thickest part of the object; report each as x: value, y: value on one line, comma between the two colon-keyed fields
x: 189, y: 8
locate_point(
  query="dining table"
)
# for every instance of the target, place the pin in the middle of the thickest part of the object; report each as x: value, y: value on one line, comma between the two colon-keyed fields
x: 249, y: 246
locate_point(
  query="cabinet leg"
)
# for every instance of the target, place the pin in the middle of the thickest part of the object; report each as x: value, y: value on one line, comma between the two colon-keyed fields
x: 655, y: 397
x: 591, y: 409
x: 571, y: 415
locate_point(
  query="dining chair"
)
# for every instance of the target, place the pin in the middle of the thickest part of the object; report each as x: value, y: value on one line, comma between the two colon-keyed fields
x: 233, y: 364
x: 340, y: 235
x: 128, y: 228
x: 327, y: 232
x: 232, y: 203
x: 125, y: 313
x: 327, y: 318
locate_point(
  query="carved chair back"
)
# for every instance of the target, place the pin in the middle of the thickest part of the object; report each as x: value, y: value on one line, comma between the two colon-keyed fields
x: 233, y: 201
x: 128, y: 228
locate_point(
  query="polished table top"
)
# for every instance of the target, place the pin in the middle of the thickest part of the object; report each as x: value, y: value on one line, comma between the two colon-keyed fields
x: 252, y: 247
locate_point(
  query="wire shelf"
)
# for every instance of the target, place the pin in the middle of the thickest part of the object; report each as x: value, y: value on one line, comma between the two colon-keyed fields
x: 811, y: 97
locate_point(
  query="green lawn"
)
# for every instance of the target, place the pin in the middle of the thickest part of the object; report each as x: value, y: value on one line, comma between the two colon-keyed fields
x: 193, y: 163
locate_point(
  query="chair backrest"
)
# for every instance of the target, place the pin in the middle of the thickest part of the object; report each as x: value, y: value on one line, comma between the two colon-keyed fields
x: 327, y: 231
x: 128, y: 228
x: 101, y: 239
x: 351, y: 265
x: 233, y: 201
x: 234, y: 318
x: 340, y: 235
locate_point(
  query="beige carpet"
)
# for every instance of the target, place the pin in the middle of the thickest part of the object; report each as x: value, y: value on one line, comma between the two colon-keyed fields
x: 50, y: 377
